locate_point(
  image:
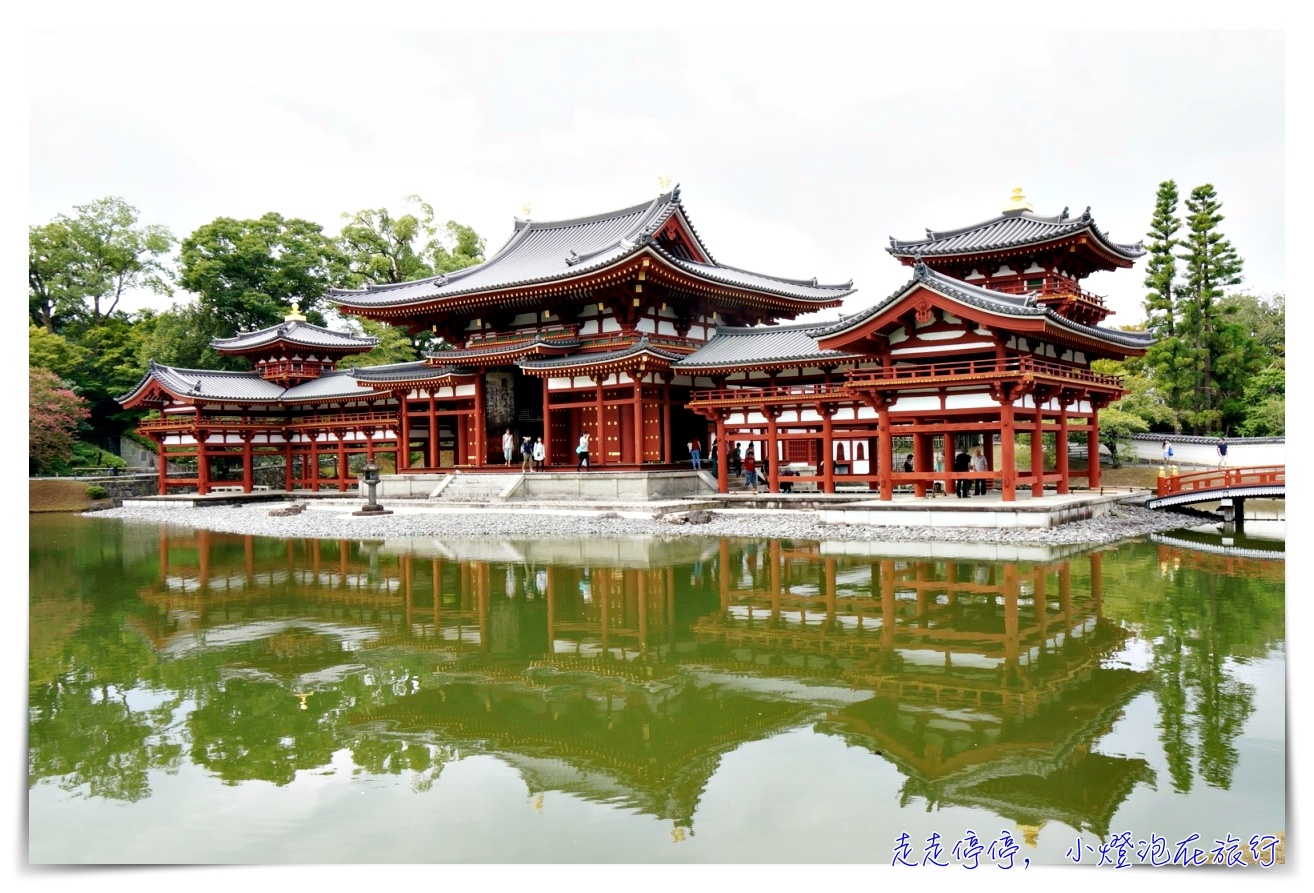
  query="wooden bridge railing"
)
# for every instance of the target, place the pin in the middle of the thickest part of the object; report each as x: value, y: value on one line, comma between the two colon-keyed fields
x: 976, y: 368
x: 1219, y: 478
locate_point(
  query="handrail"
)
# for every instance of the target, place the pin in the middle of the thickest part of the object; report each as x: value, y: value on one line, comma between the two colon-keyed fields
x: 773, y: 392
x: 190, y: 421
x: 1220, y: 478
x: 1005, y: 366
x: 1051, y: 287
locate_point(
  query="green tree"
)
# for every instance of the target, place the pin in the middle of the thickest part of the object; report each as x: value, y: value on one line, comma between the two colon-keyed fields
x: 80, y: 267
x: 1210, y: 263
x: 48, y: 350
x: 381, y: 248
x: 1266, y: 402
x: 247, y: 273
x: 456, y: 247
x: 395, y: 344
x: 1164, y: 355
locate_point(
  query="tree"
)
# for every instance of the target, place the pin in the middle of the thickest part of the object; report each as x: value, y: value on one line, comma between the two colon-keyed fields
x: 248, y: 272
x: 456, y: 247
x: 395, y: 344
x: 53, y: 415
x: 381, y: 248
x: 81, y: 266
x: 48, y: 350
x: 1266, y: 402
x: 1161, y: 300
x: 1211, y: 264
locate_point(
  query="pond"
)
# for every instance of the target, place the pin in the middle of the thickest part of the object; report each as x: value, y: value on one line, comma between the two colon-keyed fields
x: 198, y: 697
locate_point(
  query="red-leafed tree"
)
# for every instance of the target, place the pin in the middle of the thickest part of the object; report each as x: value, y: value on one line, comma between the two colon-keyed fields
x: 54, y: 413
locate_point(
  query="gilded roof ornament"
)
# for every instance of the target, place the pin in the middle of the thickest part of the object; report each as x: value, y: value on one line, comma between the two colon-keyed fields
x: 663, y: 184
x: 1018, y: 201
x: 296, y: 313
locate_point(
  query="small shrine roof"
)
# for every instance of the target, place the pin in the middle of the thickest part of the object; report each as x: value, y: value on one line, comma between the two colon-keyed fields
x: 298, y: 332
x: 1012, y: 229
x: 341, y: 383
x: 642, y: 346
x: 762, y: 345
x: 991, y: 301
x: 539, y: 341
x: 248, y: 387
x: 546, y: 251
x: 406, y: 372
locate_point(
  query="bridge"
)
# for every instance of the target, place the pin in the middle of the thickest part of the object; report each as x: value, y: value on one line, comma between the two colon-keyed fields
x: 1230, y: 486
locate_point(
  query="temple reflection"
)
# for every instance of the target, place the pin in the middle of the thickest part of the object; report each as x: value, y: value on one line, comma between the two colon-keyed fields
x: 624, y: 671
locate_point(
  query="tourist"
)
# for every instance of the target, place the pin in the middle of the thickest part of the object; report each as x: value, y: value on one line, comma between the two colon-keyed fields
x: 750, y: 469
x: 908, y: 464
x: 540, y: 454
x: 508, y: 445
x: 962, y: 462
x: 736, y: 461
x: 979, y: 464
x: 1221, y: 448
x: 526, y: 454
x: 583, y: 450
x: 1167, y: 452
x: 939, y: 466
x: 696, y: 453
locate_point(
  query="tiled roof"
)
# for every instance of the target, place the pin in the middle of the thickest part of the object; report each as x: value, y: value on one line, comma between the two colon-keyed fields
x: 992, y: 301
x: 1012, y: 229
x: 296, y: 332
x: 544, y: 251
x: 642, y: 346
x: 761, y: 345
x: 249, y: 387
x: 474, y: 353
x: 339, y: 384
x: 405, y: 372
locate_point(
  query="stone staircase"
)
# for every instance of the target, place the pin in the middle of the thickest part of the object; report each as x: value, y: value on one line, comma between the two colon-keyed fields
x: 474, y: 488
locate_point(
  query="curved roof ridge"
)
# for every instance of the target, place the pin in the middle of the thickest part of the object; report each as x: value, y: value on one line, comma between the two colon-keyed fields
x: 529, y: 223
x: 767, y: 330
x: 932, y: 234
x: 807, y: 282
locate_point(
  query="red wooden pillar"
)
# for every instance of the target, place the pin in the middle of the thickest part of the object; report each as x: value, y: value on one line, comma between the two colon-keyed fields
x: 342, y: 461
x: 162, y: 463
x: 313, y: 471
x: 922, y: 462
x: 772, y: 449
x: 433, y: 432
x: 480, y: 423
x: 1061, y: 451
x: 1007, y: 458
x: 248, y: 465
x: 885, y: 452
x: 828, y: 447
x: 722, y: 457
x: 547, y: 425
x: 404, y: 444
x: 202, y: 463
x: 668, y: 452
x: 598, y: 456
x: 1093, y: 460
x: 1038, y: 451
x: 637, y: 412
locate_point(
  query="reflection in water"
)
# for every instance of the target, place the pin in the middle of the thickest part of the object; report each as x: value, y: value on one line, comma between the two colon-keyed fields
x: 623, y: 672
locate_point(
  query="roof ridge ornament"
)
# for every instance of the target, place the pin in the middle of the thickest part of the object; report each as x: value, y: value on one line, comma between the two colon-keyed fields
x: 663, y: 184
x: 1064, y: 215
x: 1085, y: 215
x: 1017, y: 202
x: 296, y: 314
x: 574, y: 258
x: 920, y: 270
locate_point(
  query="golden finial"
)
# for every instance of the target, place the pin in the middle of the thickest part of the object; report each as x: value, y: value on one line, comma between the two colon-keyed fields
x: 302, y: 695
x: 677, y: 834
x: 524, y: 211
x: 663, y: 184
x: 538, y: 803
x: 1030, y: 834
x: 296, y: 312
x: 1018, y: 202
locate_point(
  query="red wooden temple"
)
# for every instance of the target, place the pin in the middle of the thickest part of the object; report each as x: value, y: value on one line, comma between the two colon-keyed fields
x: 623, y: 326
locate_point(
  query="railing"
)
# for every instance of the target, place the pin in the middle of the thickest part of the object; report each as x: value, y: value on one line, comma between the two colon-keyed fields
x: 1011, y: 366
x: 769, y: 394
x: 1217, y: 479
x: 1050, y: 287
x: 190, y: 421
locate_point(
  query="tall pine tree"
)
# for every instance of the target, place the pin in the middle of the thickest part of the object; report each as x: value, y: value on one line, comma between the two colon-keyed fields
x: 1161, y: 360
x: 1215, y: 362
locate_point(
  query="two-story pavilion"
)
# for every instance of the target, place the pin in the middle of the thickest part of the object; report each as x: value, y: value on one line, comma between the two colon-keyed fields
x: 992, y: 337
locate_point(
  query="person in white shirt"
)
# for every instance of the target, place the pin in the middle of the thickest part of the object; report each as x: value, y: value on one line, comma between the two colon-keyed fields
x: 540, y: 453
x: 979, y: 464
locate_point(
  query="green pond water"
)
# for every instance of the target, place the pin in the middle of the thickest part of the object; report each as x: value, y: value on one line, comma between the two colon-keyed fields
x: 214, y: 698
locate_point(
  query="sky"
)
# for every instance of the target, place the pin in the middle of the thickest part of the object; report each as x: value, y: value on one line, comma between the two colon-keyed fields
x: 803, y: 136
x: 797, y: 155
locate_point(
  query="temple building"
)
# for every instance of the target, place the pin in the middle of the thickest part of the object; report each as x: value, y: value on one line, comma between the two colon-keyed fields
x: 624, y: 327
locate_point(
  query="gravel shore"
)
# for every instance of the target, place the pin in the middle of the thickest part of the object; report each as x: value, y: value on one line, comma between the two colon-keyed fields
x: 334, y: 520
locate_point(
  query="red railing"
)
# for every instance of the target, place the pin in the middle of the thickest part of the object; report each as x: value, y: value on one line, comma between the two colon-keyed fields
x: 769, y: 394
x: 1010, y: 366
x: 1217, y: 479
x: 1050, y: 287
x: 190, y: 421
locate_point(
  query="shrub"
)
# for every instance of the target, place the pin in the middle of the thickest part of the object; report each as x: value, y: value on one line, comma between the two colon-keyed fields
x: 96, y: 491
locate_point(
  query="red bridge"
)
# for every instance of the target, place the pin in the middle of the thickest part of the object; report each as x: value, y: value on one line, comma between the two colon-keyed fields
x: 1237, y: 484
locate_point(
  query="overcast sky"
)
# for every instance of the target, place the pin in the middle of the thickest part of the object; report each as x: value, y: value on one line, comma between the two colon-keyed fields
x: 798, y: 155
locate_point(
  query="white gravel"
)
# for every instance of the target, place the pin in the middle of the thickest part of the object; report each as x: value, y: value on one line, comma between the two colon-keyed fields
x: 334, y: 520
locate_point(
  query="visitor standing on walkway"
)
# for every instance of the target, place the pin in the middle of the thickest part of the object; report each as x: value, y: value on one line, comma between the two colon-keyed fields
x: 962, y: 462
x: 540, y: 454
x: 1221, y: 448
x: 583, y: 450
x: 508, y: 446
x: 526, y: 454
x: 736, y: 461
x: 696, y: 453
x: 1167, y: 452
x: 979, y: 464
x: 750, y: 469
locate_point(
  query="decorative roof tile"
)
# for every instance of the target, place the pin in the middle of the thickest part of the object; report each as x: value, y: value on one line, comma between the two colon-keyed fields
x: 760, y: 346
x: 642, y: 346
x: 296, y: 332
x: 1012, y: 229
